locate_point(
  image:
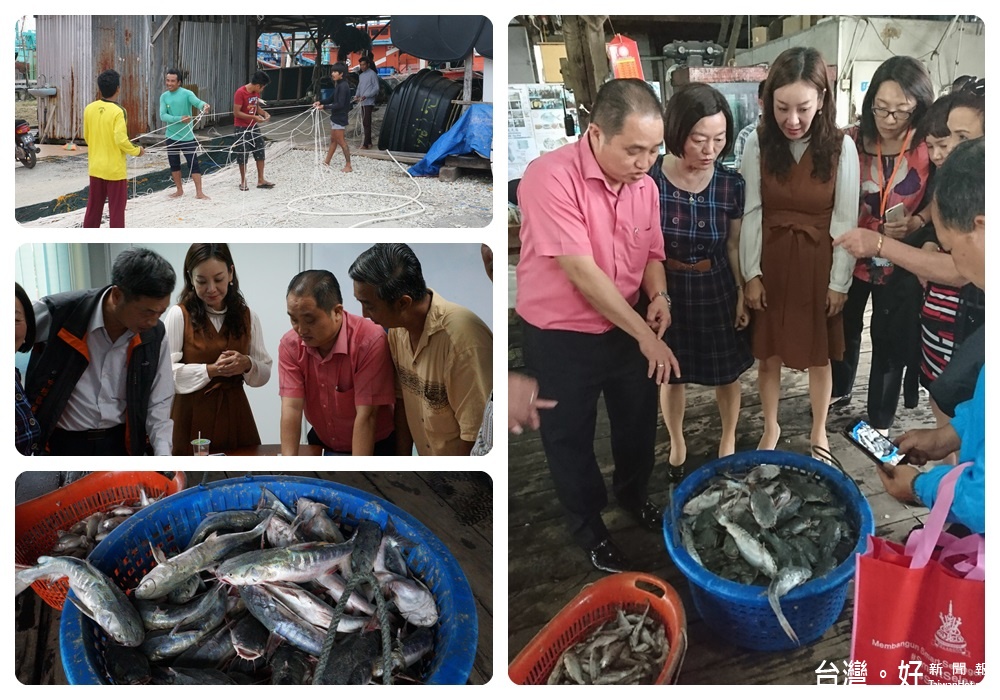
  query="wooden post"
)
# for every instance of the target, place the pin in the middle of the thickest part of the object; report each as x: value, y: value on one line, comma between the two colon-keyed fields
x: 734, y: 37
x: 467, y: 78
x: 586, y: 67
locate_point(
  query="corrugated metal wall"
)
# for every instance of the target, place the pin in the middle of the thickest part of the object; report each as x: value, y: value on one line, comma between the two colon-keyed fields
x: 65, y: 61
x: 219, y: 57
x: 218, y: 54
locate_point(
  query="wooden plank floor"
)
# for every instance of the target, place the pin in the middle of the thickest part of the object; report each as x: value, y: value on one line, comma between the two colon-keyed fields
x: 455, y: 506
x: 546, y: 569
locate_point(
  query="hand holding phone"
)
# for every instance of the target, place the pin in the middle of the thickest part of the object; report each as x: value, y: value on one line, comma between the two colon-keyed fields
x: 895, y: 213
x: 877, y: 446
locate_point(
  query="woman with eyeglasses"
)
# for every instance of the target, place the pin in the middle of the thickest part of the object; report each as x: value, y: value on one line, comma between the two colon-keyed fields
x: 895, y: 167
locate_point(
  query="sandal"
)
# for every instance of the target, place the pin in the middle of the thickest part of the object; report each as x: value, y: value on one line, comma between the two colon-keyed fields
x: 266, y: 186
x: 244, y: 188
x: 823, y: 454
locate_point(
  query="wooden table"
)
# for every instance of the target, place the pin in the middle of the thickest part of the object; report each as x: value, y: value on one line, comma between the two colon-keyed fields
x: 271, y: 451
x: 455, y: 506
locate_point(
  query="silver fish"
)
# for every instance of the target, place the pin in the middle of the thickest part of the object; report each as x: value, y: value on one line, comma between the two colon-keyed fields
x: 763, y: 508
x: 336, y: 585
x: 786, y: 580
x: 413, y: 600
x: 309, y: 607
x: 751, y: 550
x: 314, y: 519
x: 158, y: 616
x: 299, y: 563
x: 95, y: 594
x: 226, y: 522
x: 281, y: 621
x: 173, y: 572
x: 411, y: 649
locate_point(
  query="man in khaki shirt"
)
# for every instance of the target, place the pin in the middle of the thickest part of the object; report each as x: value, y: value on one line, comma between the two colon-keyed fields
x: 442, y: 351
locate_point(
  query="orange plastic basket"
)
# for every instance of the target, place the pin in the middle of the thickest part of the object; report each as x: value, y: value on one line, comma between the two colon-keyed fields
x: 595, y: 604
x: 37, y: 521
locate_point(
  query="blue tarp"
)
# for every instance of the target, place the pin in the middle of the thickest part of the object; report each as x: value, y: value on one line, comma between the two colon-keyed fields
x: 472, y: 133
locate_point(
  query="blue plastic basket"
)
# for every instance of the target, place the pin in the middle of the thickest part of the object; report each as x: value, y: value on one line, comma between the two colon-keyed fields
x: 741, y: 614
x: 125, y: 556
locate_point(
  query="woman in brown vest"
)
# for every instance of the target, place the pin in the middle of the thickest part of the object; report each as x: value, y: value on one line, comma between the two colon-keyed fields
x: 216, y: 345
x: 802, y: 191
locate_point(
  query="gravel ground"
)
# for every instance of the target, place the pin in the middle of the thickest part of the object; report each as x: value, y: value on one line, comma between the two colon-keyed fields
x: 307, y: 194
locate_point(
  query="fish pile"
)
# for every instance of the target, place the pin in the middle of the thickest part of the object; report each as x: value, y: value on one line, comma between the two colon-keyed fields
x: 252, y: 597
x: 80, y: 539
x: 631, y: 649
x: 770, y: 526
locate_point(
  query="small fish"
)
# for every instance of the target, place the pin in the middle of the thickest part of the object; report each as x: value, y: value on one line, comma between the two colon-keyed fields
x: 763, y: 508
x: 413, y: 599
x: 226, y: 522
x: 786, y: 580
x: 313, y: 518
x: 751, y: 550
x: 171, y: 573
x: 290, y: 666
x: 688, y: 539
x: 281, y: 621
x: 299, y: 563
x: 95, y: 594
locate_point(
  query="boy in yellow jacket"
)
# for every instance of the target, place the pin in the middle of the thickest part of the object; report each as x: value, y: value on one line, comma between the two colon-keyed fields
x: 106, y: 134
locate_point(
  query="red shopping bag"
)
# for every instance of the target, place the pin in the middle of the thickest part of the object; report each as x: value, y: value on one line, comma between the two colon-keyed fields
x: 919, y: 609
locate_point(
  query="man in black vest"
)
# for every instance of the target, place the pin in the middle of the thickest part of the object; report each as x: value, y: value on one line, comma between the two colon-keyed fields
x: 99, y: 379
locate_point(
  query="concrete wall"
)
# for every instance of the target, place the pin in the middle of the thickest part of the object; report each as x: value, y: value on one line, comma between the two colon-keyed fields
x: 520, y: 68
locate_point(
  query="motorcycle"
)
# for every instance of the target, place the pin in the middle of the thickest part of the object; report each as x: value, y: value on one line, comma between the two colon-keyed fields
x: 25, y: 149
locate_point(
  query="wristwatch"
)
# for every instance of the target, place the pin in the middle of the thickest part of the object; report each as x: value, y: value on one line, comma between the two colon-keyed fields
x: 667, y: 297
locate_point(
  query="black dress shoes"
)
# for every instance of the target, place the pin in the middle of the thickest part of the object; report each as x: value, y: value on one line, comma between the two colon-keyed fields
x: 607, y: 557
x: 649, y: 516
x: 843, y: 402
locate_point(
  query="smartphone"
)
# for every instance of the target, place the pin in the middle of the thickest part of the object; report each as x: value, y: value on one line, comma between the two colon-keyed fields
x: 895, y: 213
x: 874, y: 444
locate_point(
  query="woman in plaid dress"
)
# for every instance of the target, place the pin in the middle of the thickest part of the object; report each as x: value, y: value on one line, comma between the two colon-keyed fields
x: 701, y: 208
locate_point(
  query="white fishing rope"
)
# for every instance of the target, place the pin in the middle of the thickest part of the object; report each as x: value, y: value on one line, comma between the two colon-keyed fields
x: 308, y: 125
x: 408, y: 200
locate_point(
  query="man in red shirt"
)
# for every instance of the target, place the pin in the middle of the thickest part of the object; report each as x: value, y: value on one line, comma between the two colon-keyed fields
x: 590, y: 242
x: 247, y: 114
x: 337, y: 368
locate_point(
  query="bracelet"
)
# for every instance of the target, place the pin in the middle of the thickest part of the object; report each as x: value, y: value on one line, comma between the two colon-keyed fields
x: 878, y: 250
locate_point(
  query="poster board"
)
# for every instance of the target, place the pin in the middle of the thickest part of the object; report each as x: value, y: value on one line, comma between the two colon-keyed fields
x: 536, y: 122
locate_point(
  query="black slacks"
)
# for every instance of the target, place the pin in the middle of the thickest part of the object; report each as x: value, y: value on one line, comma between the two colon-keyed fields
x: 886, y: 376
x: 575, y: 369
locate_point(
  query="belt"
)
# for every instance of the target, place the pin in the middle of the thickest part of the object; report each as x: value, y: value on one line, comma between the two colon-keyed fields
x: 102, y: 441
x: 98, y: 434
x: 703, y: 265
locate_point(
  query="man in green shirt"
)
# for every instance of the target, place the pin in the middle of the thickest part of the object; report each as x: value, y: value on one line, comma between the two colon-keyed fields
x: 175, y: 111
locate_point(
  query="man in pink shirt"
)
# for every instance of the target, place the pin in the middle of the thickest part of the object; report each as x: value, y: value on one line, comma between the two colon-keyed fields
x: 590, y: 242
x: 337, y: 368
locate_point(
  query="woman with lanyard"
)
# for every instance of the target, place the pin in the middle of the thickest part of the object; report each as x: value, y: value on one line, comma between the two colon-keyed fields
x: 895, y: 168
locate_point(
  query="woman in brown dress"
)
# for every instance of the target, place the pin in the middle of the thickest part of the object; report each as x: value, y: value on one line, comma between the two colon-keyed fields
x: 216, y: 346
x: 802, y: 191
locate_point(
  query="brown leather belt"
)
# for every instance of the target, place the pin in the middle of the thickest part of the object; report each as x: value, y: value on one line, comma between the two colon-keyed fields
x: 703, y: 265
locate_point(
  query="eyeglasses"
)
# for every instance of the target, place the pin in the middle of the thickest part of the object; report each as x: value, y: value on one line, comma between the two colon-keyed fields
x: 900, y: 115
